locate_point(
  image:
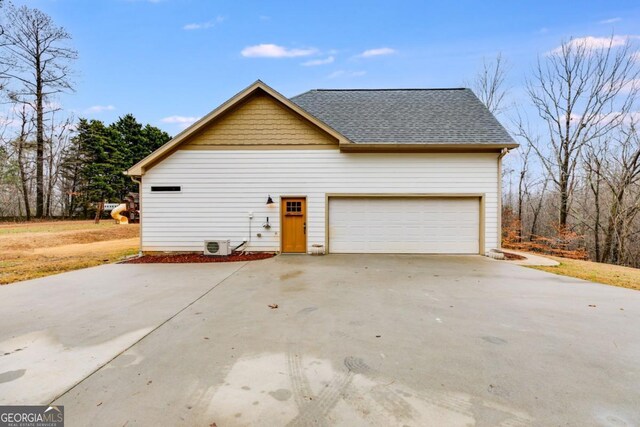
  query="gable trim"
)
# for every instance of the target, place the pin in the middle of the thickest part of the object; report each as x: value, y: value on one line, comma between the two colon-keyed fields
x: 423, y: 148
x: 158, y: 155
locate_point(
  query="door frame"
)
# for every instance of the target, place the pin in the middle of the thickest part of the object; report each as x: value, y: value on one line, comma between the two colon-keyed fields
x: 306, y: 220
x: 480, y: 196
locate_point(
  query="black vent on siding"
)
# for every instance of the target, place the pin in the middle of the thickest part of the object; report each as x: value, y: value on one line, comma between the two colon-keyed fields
x: 165, y: 188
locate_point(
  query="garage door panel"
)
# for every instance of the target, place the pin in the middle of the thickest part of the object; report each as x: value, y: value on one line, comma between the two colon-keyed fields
x: 404, y: 225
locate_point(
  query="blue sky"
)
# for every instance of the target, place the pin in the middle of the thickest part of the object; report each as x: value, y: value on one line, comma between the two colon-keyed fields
x: 171, y: 61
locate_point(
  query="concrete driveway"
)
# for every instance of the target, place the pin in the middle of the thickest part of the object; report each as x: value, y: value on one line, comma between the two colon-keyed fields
x: 355, y: 340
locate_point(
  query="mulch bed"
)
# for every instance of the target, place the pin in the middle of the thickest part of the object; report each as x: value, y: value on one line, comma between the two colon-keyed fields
x: 512, y: 257
x: 198, y: 258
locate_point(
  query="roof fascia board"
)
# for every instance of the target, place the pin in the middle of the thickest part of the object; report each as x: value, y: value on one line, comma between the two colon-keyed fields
x: 423, y: 148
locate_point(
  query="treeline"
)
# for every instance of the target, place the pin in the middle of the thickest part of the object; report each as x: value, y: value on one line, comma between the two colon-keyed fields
x: 573, y: 187
x: 82, y: 167
x: 52, y: 164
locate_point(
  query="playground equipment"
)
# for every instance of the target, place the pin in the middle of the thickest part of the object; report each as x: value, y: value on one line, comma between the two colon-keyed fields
x: 115, y: 214
x: 127, y: 212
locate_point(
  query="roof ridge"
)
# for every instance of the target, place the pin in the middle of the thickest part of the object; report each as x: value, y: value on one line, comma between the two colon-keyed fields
x: 388, y: 89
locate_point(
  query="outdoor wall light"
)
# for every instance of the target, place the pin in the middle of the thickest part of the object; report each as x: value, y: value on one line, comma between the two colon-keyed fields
x: 269, y: 201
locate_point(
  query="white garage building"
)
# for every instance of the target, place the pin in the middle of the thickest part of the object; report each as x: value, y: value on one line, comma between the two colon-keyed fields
x: 341, y: 171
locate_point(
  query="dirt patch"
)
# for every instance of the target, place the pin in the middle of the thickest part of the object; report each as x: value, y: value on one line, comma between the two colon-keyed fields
x: 198, y: 258
x: 96, y: 248
x: 40, y: 248
x: 48, y: 239
x: 14, y: 225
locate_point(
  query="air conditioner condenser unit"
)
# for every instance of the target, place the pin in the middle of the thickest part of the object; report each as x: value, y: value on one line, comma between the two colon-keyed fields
x: 217, y: 247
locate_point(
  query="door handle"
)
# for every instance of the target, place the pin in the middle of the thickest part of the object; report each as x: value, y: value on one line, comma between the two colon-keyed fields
x: 304, y: 228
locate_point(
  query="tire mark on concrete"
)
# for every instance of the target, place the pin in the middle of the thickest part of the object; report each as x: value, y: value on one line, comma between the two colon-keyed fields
x: 300, y: 384
x: 314, y: 412
x: 393, y: 403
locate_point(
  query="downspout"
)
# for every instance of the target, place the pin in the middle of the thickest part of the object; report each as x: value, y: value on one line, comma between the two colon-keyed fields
x: 503, y: 153
x: 139, y: 182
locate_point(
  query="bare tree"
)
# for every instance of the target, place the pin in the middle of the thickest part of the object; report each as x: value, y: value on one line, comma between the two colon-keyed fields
x: 57, y: 140
x: 581, y: 94
x: 22, y: 148
x: 36, y: 66
x: 523, y: 185
x: 536, y: 205
x: 621, y: 174
x: 527, y: 185
x: 489, y: 83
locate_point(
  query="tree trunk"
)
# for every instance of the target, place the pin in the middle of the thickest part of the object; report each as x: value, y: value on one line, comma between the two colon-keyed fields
x: 596, y: 225
x: 536, y: 211
x: 23, y: 181
x: 564, y: 197
x: 47, y: 203
x: 612, y: 224
x: 520, y: 200
x: 39, y: 136
x: 595, y: 189
x: 99, y: 211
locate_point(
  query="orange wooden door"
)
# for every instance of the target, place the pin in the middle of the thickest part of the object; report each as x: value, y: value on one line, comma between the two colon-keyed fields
x: 294, y: 225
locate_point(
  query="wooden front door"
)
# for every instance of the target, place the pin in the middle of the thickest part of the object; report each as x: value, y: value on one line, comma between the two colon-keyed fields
x: 294, y: 225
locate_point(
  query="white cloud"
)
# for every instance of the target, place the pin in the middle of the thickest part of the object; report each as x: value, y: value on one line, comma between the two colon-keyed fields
x: 610, y: 21
x: 343, y: 73
x: 264, y: 18
x: 11, y: 116
x: 631, y: 85
x: 183, y: 121
x: 9, y: 121
x: 595, y: 43
x: 204, y: 25
x: 267, y: 50
x: 612, y: 117
x: 99, y: 109
x: 201, y: 26
x: 315, y: 62
x: 633, y: 117
x: 179, y: 119
x: 377, y: 52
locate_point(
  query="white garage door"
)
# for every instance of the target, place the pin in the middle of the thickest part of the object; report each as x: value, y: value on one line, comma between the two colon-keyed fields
x: 404, y: 225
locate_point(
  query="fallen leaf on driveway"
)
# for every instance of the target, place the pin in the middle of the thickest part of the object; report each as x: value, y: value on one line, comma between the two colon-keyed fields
x: 273, y: 306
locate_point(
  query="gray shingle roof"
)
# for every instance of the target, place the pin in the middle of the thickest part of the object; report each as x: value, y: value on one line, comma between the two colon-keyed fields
x: 405, y: 116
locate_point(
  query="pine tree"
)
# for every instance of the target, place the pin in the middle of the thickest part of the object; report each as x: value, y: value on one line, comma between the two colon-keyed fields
x: 93, y: 164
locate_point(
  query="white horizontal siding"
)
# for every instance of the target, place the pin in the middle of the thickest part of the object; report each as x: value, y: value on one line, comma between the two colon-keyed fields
x: 220, y: 187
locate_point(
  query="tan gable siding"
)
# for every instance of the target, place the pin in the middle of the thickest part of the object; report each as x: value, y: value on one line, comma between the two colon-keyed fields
x: 260, y: 121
